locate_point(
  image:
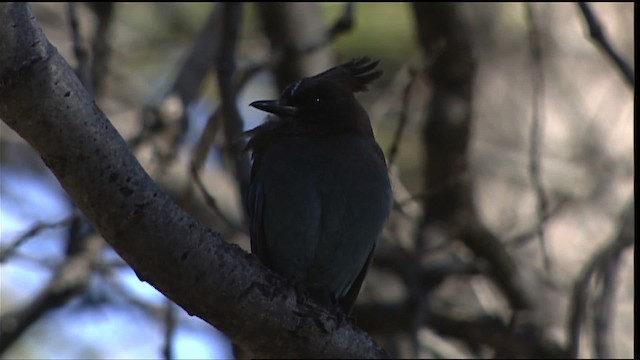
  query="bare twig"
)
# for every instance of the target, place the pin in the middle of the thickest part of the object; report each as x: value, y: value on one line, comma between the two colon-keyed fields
x: 206, y: 47
x: 169, y: 329
x: 233, y: 124
x: 402, y: 118
x: 70, y: 278
x: 8, y: 250
x: 101, y: 50
x: 341, y: 26
x: 212, y: 203
x: 598, y: 35
x: 604, y: 306
x: 188, y: 81
x: 344, y: 22
x: 527, y: 235
x: 599, y: 262
x: 279, y: 53
x: 481, y: 330
x: 201, y: 149
x: 503, y: 269
x: 537, y: 121
x: 84, y: 67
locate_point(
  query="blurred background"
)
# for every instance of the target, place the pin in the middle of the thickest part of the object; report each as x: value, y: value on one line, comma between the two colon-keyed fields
x: 507, y: 128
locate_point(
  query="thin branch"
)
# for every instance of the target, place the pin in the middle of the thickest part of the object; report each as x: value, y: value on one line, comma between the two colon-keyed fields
x: 212, y: 203
x: 36, y: 229
x: 604, y: 308
x: 200, y: 151
x: 101, y: 49
x: 119, y: 295
x: 503, y: 269
x: 342, y: 25
x: 481, y: 330
x: 402, y: 118
x: 599, y: 37
x: 187, y: 83
x: 70, y: 278
x: 206, y: 47
x: 84, y: 66
x: 344, y: 22
x: 527, y: 235
x: 536, y: 131
x: 169, y: 330
x: 598, y: 263
x: 225, y: 63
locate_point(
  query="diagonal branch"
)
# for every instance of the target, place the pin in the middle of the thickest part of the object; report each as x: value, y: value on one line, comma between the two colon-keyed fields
x: 7, y: 250
x: 598, y: 35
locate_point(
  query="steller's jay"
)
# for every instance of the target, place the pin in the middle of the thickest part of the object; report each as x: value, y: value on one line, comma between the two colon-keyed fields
x: 319, y: 192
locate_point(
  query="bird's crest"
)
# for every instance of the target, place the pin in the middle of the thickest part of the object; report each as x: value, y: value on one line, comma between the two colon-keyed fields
x: 356, y: 74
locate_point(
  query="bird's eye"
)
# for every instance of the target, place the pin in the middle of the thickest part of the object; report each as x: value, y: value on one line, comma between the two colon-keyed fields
x: 317, y: 100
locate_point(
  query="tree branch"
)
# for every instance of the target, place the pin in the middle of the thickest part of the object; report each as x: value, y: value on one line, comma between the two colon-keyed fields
x: 446, y: 134
x: 402, y: 118
x: 44, y: 102
x: 8, y: 250
x: 70, y: 278
x: 226, y: 66
x: 475, y: 331
x: 597, y: 35
x: 600, y: 261
x: 535, y: 139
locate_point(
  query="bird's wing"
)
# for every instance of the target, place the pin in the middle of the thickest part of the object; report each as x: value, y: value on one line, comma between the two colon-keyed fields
x: 355, y: 205
x: 286, y: 201
x: 349, y: 299
x: 256, y: 229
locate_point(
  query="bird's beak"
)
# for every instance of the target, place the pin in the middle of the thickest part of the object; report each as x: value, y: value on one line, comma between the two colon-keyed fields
x: 275, y: 107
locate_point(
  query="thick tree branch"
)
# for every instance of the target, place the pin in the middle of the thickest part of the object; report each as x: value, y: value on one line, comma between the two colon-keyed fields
x: 44, y: 102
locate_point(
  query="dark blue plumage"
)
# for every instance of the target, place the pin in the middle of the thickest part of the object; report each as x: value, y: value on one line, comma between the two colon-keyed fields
x: 319, y: 193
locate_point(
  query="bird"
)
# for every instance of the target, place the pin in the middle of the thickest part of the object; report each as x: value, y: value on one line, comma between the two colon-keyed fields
x: 319, y: 191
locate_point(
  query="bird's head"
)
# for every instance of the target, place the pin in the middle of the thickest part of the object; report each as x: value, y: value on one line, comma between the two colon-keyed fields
x: 325, y: 101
